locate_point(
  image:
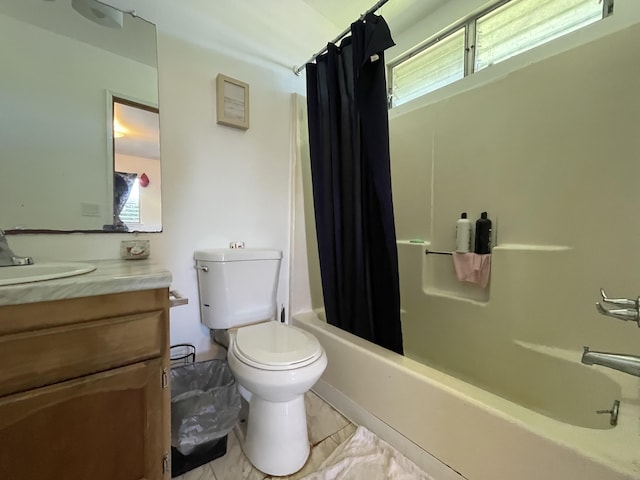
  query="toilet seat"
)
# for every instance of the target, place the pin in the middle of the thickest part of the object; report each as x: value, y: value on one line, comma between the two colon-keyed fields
x: 275, y: 346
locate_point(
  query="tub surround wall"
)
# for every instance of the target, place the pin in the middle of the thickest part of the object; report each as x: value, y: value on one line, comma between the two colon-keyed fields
x: 550, y: 151
x: 304, y: 249
x: 305, y: 260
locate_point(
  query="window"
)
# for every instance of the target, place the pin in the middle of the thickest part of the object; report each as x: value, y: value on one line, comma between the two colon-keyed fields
x: 520, y: 25
x: 131, y: 210
x: 436, y: 66
x: 506, y: 29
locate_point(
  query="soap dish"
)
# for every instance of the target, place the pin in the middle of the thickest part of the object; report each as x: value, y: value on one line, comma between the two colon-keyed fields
x: 135, y: 249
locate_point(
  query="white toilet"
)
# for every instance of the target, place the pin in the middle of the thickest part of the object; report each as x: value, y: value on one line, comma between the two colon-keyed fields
x: 274, y: 364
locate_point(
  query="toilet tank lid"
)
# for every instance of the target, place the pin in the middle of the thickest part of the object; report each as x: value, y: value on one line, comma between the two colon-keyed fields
x: 236, y: 254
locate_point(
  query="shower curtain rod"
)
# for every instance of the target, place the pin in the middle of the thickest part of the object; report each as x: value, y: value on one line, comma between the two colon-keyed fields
x: 297, y: 69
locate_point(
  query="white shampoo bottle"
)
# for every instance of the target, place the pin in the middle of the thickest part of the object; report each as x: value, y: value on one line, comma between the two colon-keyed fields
x: 463, y: 234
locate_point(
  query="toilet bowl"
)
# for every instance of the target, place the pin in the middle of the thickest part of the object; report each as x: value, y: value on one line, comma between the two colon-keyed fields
x: 276, y: 364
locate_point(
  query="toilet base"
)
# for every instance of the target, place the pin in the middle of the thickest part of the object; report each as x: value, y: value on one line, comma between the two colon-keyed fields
x: 276, y: 440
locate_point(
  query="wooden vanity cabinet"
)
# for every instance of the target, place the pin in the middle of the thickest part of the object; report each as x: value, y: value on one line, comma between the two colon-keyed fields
x: 84, y: 388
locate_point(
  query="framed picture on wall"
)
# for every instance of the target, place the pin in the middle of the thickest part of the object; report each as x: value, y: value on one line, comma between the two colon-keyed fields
x: 232, y: 102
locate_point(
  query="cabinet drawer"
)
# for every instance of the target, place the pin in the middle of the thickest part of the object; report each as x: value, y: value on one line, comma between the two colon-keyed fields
x: 44, y: 357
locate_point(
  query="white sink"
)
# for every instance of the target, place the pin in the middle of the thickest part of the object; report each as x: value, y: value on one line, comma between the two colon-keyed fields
x: 42, y: 271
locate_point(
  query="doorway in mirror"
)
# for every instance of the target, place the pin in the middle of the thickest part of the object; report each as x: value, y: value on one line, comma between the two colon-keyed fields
x: 136, y: 166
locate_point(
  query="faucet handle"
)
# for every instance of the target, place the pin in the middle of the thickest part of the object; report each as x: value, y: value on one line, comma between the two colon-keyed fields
x: 623, y: 302
x: 620, y: 313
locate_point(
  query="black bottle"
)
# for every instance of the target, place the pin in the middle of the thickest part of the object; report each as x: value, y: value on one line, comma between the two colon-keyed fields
x: 483, y: 235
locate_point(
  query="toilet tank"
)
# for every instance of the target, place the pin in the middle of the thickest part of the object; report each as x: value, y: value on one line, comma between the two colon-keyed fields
x: 237, y: 286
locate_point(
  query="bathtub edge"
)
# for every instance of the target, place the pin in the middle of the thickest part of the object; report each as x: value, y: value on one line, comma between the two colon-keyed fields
x: 361, y: 416
x: 477, y: 440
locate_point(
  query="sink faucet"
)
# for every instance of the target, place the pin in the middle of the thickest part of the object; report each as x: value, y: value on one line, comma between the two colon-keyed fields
x: 624, y: 363
x: 7, y: 257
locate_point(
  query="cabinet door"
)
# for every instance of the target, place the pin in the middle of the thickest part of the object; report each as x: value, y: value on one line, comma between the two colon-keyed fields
x: 106, y: 426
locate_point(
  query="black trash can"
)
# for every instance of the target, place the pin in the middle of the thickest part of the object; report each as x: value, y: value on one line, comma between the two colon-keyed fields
x: 205, y: 405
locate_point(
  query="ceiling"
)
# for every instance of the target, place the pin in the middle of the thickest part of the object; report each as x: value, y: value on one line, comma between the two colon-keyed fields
x: 400, y: 14
x: 140, y: 131
x: 284, y: 32
x: 281, y: 32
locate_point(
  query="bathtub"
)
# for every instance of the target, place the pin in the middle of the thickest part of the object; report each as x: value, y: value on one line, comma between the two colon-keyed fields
x: 461, y: 430
x: 546, y: 380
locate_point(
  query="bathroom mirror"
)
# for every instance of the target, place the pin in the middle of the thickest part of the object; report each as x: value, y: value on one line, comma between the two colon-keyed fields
x: 79, y: 103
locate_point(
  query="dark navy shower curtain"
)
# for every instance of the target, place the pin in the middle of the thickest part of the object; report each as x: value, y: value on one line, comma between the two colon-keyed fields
x: 350, y: 166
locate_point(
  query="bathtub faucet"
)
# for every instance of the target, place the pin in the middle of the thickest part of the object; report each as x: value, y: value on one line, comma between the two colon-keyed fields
x: 7, y: 257
x: 624, y: 363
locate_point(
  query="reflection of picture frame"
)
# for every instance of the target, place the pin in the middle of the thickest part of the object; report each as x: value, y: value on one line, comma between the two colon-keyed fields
x: 232, y: 102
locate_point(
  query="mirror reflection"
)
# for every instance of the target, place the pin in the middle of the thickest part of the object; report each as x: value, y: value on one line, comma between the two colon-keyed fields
x: 79, y: 105
x: 136, y: 177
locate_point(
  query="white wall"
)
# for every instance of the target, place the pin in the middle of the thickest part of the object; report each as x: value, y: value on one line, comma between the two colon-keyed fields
x: 219, y: 183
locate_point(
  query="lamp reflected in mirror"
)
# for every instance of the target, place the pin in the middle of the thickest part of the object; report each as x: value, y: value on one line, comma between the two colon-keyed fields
x: 118, y: 130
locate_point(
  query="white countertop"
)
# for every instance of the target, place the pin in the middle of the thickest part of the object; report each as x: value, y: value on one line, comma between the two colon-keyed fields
x: 110, y: 276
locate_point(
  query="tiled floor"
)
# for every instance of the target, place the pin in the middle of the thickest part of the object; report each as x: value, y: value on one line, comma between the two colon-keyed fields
x: 327, y: 429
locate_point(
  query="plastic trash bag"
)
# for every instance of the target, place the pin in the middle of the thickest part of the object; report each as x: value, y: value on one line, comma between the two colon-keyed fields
x: 205, y: 404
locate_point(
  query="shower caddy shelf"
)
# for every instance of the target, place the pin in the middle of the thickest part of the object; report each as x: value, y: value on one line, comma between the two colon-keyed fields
x: 439, y: 280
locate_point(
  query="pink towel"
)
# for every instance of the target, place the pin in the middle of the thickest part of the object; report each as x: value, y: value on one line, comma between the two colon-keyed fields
x: 472, y: 268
